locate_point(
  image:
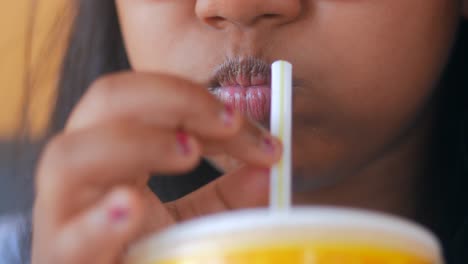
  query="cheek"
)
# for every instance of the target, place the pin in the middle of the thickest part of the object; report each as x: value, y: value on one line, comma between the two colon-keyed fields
x: 155, y: 32
x: 377, y: 66
x: 381, y: 62
x: 391, y: 62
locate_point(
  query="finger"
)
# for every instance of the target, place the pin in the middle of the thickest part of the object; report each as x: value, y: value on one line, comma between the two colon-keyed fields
x: 252, y: 144
x: 101, y: 234
x: 158, y: 99
x: 172, y: 103
x: 247, y: 187
x: 111, y: 154
x: 156, y: 217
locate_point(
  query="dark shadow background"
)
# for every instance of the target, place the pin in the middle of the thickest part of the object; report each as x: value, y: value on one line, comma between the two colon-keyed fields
x: 16, y: 180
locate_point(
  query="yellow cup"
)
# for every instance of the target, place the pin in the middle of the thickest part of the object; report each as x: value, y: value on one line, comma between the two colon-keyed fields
x: 312, y: 235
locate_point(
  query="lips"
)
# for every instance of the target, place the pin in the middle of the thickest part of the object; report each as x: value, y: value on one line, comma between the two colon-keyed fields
x: 245, y: 85
x: 252, y: 101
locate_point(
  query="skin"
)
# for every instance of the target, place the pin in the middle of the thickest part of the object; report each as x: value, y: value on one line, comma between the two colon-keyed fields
x: 346, y: 56
x: 366, y: 72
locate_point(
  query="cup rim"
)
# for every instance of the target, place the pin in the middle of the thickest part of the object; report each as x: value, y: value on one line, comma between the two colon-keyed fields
x: 312, y: 217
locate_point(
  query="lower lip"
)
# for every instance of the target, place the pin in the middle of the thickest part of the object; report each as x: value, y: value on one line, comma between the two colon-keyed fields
x: 253, y: 101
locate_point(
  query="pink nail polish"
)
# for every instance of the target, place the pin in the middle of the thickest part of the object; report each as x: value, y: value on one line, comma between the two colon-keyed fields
x: 183, y: 140
x: 269, y: 145
x: 227, y: 115
x: 118, y: 214
x: 266, y: 171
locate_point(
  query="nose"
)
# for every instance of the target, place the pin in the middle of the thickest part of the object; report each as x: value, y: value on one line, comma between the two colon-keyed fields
x: 247, y: 13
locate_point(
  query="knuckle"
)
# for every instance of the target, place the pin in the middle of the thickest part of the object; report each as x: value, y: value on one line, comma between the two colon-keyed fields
x: 54, y: 160
x: 97, y: 100
x: 101, y: 90
x: 174, y: 211
x: 52, y: 151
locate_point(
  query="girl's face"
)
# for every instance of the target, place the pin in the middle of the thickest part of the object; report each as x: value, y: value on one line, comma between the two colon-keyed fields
x: 364, y: 70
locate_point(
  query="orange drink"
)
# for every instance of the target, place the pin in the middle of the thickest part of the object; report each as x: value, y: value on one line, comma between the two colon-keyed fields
x: 314, y: 235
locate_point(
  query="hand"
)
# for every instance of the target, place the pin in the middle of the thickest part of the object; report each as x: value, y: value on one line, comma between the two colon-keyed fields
x: 92, y: 195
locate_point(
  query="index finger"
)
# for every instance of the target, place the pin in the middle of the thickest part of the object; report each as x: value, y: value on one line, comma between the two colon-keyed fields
x: 173, y: 103
x: 158, y: 99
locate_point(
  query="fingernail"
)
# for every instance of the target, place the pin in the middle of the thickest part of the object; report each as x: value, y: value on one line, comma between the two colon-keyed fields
x: 183, y: 142
x: 227, y: 115
x: 269, y: 145
x: 119, y: 214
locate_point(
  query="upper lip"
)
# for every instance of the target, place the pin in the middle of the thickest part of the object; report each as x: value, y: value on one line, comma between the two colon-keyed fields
x: 241, y: 72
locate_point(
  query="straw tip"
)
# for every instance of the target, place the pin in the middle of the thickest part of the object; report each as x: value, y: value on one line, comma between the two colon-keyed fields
x: 281, y: 62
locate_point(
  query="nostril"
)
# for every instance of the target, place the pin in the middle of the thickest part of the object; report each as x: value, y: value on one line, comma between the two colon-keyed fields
x: 216, y: 18
x: 215, y: 21
x: 271, y: 16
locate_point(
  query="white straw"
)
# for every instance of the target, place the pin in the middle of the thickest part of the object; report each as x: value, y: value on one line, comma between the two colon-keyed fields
x: 281, y: 125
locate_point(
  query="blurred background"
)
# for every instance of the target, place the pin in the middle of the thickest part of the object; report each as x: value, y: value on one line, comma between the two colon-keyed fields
x: 33, y: 34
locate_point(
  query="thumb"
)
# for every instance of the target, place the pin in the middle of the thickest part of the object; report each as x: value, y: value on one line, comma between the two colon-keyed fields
x: 101, y: 234
x: 247, y: 187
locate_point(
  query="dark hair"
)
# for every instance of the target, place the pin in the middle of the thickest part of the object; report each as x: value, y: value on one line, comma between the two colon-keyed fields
x: 96, y: 48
